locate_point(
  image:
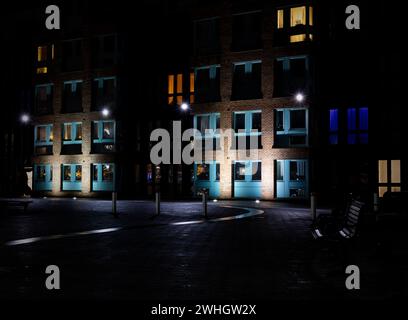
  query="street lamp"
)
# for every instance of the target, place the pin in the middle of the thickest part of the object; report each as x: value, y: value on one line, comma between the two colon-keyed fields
x: 105, y: 112
x: 25, y: 118
x: 299, y: 97
x: 184, y: 106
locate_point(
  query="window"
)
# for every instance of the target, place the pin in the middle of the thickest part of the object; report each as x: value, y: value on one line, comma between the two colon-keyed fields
x: 43, y: 99
x: 45, y: 56
x: 291, y: 75
x: 207, y: 84
x: 43, y: 139
x: 206, y: 36
x: 72, y: 96
x: 177, y: 91
x: 247, y: 81
x: 297, y: 16
x: 71, y: 138
x: 291, y: 178
x: 42, y: 177
x: 104, y: 93
x: 71, y: 177
x: 42, y: 54
x: 217, y: 172
x: 248, y: 171
x: 72, y: 55
x: 105, y: 50
x: 203, y: 172
x: 357, y: 125
x: 240, y: 171
x: 248, y: 129
x: 389, y: 176
x: 103, y: 136
x: 256, y: 171
x: 103, y: 176
x: 208, y: 125
x: 294, y: 24
x: 291, y: 127
x: 333, y: 126
x: 247, y: 31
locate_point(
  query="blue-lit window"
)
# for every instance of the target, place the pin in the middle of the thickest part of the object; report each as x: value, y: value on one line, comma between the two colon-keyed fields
x: 208, y: 125
x: 104, y: 93
x: 248, y: 127
x: 357, y: 125
x: 103, y: 136
x: 291, y: 75
x: 103, y: 176
x: 207, y: 84
x: 291, y: 127
x: 72, y: 96
x: 333, y: 126
x: 71, y: 177
x: 72, y: 133
x: 42, y: 177
x: 247, y: 80
x: 43, y: 139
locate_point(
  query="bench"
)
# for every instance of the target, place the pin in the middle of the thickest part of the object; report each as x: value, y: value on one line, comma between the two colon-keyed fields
x: 329, y: 228
x: 15, y: 203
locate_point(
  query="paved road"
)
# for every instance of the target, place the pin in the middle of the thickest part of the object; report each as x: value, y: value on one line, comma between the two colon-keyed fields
x: 263, y: 253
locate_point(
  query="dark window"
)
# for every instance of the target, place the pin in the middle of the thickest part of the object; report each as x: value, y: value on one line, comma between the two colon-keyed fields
x: 290, y: 76
x: 247, y: 31
x: 357, y: 126
x: 256, y: 171
x: 104, y: 94
x: 104, y: 50
x: 247, y: 81
x: 72, y: 97
x: 239, y: 122
x: 44, y: 99
x: 298, y: 119
x: 72, y: 55
x: 206, y: 40
x: 217, y: 172
x: 207, y: 84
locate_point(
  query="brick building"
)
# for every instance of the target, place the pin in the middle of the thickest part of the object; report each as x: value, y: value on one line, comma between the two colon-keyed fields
x: 254, y: 72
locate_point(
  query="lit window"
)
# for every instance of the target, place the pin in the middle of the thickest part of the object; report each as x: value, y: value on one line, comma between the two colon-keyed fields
x: 297, y: 16
x: 42, y: 70
x: 203, y: 172
x: 357, y: 125
x: 310, y: 16
x: 41, y: 53
x: 192, y: 79
x: 334, y: 126
x: 389, y: 176
x: 175, y: 89
x: 42, y: 177
x: 298, y: 38
x: 280, y: 19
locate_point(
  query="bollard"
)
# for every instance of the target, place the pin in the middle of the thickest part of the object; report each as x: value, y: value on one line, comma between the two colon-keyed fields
x: 158, y: 203
x: 313, y: 205
x: 114, y: 199
x: 375, y: 202
x: 205, y: 203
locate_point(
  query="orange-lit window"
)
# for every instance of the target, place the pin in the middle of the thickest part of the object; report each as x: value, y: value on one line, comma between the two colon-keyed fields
x: 42, y: 70
x: 297, y: 16
x: 41, y: 53
x: 170, y: 89
x: 280, y: 19
x: 298, y: 38
x: 310, y: 16
x: 179, y: 83
x: 192, y: 87
x: 389, y: 176
x: 52, y: 52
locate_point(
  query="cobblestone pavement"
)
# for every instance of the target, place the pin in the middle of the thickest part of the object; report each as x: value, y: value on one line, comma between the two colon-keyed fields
x: 181, y: 255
